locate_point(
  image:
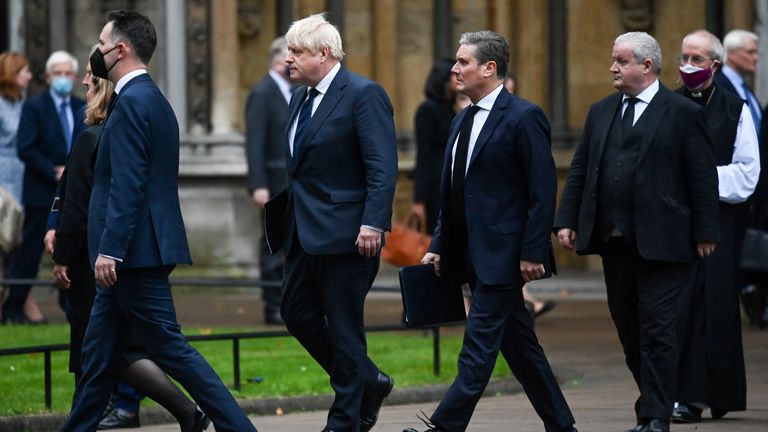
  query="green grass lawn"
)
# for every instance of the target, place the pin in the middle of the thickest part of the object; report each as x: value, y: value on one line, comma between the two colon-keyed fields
x: 269, y: 367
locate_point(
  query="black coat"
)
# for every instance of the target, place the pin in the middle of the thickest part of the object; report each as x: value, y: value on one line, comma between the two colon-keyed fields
x: 675, y: 181
x: 266, y: 117
x: 432, y: 125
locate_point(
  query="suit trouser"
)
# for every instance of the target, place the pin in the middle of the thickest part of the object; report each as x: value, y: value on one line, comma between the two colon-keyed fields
x: 322, y: 307
x: 498, y: 321
x: 643, y: 301
x: 25, y: 261
x: 271, y: 267
x: 141, y: 300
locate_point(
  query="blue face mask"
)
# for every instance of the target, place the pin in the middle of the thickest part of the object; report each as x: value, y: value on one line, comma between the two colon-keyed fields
x: 62, y: 86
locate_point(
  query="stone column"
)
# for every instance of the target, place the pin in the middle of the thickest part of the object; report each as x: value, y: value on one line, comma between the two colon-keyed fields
x: 224, y: 66
x: 176, y: 60
x: 761, y: 77
x: 443, y: 43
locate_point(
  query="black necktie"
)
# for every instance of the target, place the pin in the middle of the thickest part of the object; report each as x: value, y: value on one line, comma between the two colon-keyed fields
x: 460, y: 166
x: 629, y: 116
x: 112, y: 99
x: 304, y: 116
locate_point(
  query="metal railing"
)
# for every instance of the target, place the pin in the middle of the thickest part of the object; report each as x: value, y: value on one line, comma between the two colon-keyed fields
x: 46, y: 350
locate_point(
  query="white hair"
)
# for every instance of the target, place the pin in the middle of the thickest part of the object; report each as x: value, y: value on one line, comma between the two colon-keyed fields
x: 735, y: 39
x: 714, y: 47
x: 315, y: 32
x: 644, y: 47
x: 59, y: 57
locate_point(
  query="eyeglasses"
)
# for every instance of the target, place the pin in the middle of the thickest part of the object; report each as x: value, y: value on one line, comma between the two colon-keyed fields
x: 694, y: 60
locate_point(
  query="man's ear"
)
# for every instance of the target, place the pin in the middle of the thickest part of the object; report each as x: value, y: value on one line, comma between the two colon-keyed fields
x: 647, y: 66
x: 489, y: 69
x: 324, y: 53
x: 716, y: 65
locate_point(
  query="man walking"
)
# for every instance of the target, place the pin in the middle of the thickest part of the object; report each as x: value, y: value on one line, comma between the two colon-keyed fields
x: 642, y: 193
x: 342, y: 163
x: 136, y: 236
x: 497, y: 207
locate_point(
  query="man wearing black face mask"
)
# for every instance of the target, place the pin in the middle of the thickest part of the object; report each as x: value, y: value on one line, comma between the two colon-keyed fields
x: 136, y: 236
x: 711, y: 371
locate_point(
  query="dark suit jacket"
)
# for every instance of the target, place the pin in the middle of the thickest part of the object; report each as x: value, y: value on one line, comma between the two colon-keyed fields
x: 75, y: 195
x: 266, y: 116
x: 344, y: 173
x: 510, y: 191
x: 42, y: 146
x: 722, y: 82
x: 675, y: 189
x: 134, y: 213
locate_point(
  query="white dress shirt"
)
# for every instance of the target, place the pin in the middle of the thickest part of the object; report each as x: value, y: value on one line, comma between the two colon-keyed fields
x: 643, y: 99
x: 57, y: 101
x: 282, y: 84
x: 322, y: 88
x: 738, y: 83
x: 485, y: 104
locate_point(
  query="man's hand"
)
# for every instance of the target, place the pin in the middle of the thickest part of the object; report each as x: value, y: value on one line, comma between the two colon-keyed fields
x: 567, y: 238
x: 531, y: 271
x: 706, y: 248
x: 419, y: 210
x: 260, y: 197
x: 105, y: 272
x: 60, y: 276
x: 59, y: 170
x: 50, y: 241
x: 368, y: 242
x: 434, y: 259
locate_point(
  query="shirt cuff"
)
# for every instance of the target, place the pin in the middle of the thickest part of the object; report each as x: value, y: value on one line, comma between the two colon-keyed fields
x: 111, y: 257
x: 373, y: 228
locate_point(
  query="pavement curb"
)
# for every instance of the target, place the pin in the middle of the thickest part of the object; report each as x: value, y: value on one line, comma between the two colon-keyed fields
x: 267, y: 406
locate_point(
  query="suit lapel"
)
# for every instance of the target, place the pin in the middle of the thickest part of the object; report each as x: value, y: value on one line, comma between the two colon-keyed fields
x: 654, y: 115
x: 496, y: 114
x: 604, y: 121
x: 293, y: 108
x: 330, y: 99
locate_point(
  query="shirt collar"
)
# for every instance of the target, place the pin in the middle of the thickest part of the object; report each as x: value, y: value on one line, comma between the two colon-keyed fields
x: 487, y: 102
x: 127, y: 77
x: 325, y: 83
x: 733, y: 76
x: 281, y: 82
x: 647, y: 94
x: 57, y: 100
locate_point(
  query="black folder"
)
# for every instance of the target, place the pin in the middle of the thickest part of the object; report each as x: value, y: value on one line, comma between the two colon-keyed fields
x: 274, y: 221
x: 430, y: 300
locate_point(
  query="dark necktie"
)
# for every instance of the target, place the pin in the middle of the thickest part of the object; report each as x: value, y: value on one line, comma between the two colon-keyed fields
x: 304, y: 116
x: 755, y: 110
x: 64, y: 119
x: 112, y: 100
x: 459, y: 167
x: 629, y: 116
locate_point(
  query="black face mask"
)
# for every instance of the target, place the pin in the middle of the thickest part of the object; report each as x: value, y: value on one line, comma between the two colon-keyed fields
x: 98, y: 65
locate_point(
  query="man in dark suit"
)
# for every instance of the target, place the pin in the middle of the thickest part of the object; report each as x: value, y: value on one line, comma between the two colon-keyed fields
x: 739, y: 64
x: 266, y: 115
x: 497, y: 207
x: 45, y: 135
x: 342, y: 163
x: 136, y: 235
x: 642, y: 193
x: 711, y: 372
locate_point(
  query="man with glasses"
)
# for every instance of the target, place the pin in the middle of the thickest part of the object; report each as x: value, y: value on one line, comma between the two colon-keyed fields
x: 711, y: 371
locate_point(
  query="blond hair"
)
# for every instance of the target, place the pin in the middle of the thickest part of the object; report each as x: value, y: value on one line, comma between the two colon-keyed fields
x: 315, y: 32
x: 96, y: 111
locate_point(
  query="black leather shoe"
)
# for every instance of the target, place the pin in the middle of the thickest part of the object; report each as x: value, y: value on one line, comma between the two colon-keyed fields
x: 718, y: 413
x: 273, y: 318
x: 686, y: 413
x: 426, y: 430
x: 657, y: 425
x: 639, y: 428
x: 201, y: 422
x: 372, y: 399
x: 119, y: 419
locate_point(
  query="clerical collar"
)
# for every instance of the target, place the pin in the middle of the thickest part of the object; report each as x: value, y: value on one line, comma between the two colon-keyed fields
x: 702, y: 97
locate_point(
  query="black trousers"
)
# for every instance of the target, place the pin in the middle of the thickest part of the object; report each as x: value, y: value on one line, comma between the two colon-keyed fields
x: 24, y: 263
x: 643, y: 301
x: 271, y: 267
x: 322, y: 307
x: 498, y: 321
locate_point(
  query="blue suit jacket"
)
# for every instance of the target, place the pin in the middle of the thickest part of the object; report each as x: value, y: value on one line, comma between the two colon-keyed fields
x: 510, y: 190
x: 42, y: 146
x: 344, y: 173
x: 134, y: 213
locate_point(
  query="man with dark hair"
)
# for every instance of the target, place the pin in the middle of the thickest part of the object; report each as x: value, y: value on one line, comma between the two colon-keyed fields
x: 497, y: 208
x: 642, y: 193
x: 266, y: 114
x: 136, y: 237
